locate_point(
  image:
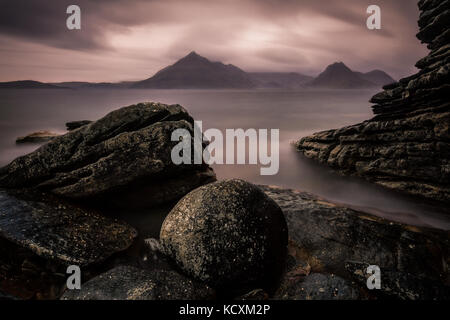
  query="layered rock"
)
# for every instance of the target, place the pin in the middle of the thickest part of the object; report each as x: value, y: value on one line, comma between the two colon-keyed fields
x: 123, y: 159
x: 406, y: 146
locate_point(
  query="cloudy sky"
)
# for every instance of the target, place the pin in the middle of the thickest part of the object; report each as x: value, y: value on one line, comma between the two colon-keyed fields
x: 132, y: 39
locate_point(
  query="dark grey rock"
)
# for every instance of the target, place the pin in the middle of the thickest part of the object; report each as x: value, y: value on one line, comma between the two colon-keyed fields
x: 37, y: 137
x: 327, y: 236
x: 228, y: 234
x: 77, y: 124
x: 131, y: 283
x: 121, y: 160
x: 57, y: 230
x: 317, y: 286
x: 397, y: 284
x: 40, y: 236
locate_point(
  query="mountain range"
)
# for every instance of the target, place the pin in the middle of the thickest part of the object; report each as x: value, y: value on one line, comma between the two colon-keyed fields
x: 196, y: 72
x: 28, y: 84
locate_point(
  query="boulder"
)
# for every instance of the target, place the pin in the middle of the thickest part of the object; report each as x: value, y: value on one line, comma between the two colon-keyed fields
x: 132, y: 283
x: 332, y: 239
x: 406, y: 145
x: 37, y: 137
x: 228, y: 234
x: 40, y: 236
x: 121, y: 160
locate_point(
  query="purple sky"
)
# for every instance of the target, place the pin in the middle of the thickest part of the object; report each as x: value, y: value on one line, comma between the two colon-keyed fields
x: 132, y: 39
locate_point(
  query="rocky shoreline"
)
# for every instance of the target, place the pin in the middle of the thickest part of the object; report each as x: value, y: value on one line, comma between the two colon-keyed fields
x: 60, y: 206
x: 227, y: 239
x: 406, y: 145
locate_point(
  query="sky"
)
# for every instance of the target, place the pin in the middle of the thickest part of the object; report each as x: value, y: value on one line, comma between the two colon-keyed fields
x: 123, y: 40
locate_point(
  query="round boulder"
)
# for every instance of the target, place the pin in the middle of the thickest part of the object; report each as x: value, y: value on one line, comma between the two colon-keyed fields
x: 229, y: 234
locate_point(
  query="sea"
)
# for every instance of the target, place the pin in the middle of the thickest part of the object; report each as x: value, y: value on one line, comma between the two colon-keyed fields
x: 296, y: 113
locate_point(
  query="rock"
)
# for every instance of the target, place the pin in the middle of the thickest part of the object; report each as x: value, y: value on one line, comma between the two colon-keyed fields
x: 406, y: 146
x: 121, y: 160
x: 300, y: 282
x: 228, y: 234
x: 327, y: 237
x: 131, y: 283
x: 40, y: 236
x: 37, y: 137
x: 257, y: 294
x: 5, y: 296
x: 395, y: 284
x: 77, y: 124
x: 317, y: 286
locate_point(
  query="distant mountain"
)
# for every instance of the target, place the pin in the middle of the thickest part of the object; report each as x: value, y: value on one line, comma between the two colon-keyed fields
x: 379, y: 77
x: 289, y: 80
x: 195, y: 71
x: 339, y: 76
x: 96, y: 85
x: 28, y: 84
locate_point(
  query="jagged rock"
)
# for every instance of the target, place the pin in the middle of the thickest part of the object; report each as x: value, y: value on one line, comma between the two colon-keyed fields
x: 37, y: 137
x: 406, y: 146
x: 228, y: 234
x: 123, y: 159
x: 41, y: 235
x: 132, y: 283
x: 77, y: 124
x: 326, y: 237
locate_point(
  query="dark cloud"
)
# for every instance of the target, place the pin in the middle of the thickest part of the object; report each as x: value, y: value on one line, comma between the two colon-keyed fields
x: 256, y: 35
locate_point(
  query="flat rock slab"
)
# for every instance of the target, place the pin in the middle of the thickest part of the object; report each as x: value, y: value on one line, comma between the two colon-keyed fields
x: 329, y: 236
x: 37, y: 137
x: 58, y: 231
x: 132, y: 283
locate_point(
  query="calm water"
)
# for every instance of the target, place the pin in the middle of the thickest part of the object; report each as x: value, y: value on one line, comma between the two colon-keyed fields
x: 295, y: 113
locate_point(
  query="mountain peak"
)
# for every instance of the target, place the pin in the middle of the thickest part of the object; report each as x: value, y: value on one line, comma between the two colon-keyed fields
x: 193, y: 56
x: 338, y: 75
x: 338, y: 66
x: 195, y: 71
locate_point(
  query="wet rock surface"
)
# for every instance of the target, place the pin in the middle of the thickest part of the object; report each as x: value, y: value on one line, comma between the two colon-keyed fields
x: 132, y: 283
x: 227, y: 234
x: 406, y: 146
x: 41, y: 235
x: 123, y: 159
x: 58, y: 230
x: 327, y: 238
